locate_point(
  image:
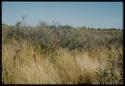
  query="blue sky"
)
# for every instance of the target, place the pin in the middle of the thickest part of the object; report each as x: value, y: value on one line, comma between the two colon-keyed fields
x: 89, y: 14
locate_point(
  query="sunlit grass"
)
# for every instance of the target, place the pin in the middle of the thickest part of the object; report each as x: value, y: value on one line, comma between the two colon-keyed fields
x: 46, y: 57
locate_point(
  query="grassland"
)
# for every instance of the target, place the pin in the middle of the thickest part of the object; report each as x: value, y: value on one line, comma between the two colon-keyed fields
x: 61, y: 55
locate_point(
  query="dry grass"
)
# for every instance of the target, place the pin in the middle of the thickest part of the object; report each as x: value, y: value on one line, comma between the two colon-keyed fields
x: 24, y: 63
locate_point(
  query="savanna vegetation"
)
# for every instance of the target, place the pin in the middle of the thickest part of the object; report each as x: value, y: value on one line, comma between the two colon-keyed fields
x: 50, y: 54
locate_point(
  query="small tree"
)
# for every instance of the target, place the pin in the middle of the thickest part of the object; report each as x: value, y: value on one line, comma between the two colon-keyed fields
x: 42, y: 24
x: 84, y: 27
x: 23, y: 18
x: 18, y: 24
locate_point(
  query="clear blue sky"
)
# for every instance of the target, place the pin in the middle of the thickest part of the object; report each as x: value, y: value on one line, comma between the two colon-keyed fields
x: 89, y: 14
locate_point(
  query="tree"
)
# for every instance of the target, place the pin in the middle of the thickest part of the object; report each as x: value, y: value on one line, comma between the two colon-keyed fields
x: 18, y: 24
x: 42, y: 24
x: 23, y: 18
x: 84, y: 27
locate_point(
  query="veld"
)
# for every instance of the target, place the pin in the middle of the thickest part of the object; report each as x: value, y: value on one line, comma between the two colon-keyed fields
x: 61, y: 55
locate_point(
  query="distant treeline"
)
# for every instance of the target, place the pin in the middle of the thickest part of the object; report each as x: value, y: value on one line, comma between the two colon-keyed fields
x: 44, y: 24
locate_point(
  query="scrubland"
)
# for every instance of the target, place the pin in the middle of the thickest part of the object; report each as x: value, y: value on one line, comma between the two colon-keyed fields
x: 61, y: 55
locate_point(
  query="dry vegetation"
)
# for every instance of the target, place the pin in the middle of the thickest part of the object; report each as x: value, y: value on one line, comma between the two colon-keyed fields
x: 61, y: 55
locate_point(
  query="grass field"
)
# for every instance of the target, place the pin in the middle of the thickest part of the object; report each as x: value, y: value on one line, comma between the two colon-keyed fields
x: 61, y: 55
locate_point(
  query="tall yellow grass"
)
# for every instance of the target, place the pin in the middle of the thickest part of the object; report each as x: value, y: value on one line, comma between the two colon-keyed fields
x: 23, y: 64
